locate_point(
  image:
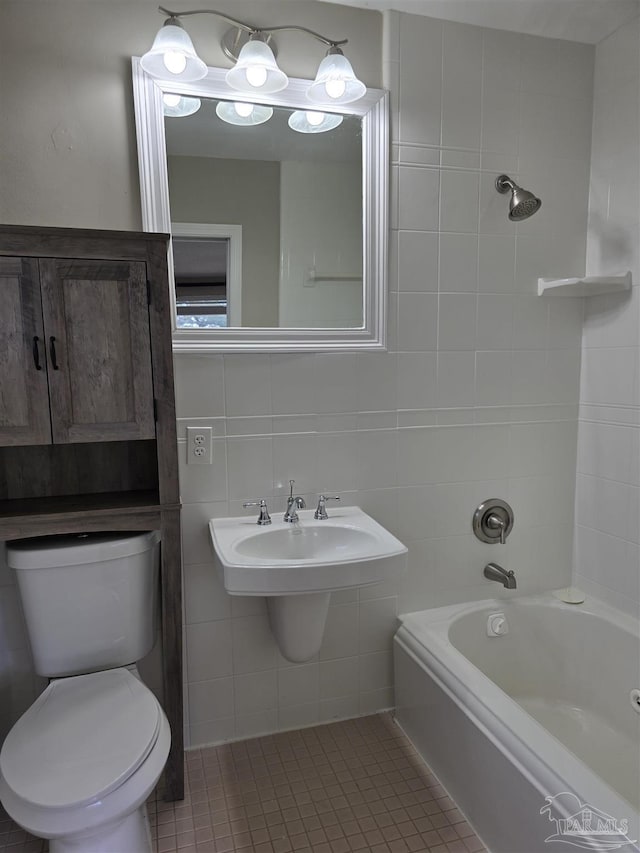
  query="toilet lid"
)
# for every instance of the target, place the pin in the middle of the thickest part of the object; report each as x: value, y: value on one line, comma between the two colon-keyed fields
x: 82, y: 738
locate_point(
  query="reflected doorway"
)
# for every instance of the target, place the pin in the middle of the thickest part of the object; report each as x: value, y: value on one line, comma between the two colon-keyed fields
x: 207, y: 270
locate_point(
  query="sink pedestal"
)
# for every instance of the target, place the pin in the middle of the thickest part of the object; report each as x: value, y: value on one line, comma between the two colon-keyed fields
x: 297, y: 623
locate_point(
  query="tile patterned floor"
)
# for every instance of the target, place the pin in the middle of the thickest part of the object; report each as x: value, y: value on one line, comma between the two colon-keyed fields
x: 356, y: 785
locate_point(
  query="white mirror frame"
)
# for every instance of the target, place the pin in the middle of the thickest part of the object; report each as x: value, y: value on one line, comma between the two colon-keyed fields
x: 373, y: 109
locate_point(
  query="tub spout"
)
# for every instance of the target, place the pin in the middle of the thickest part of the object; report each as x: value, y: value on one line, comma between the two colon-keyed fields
x: 494, y: 572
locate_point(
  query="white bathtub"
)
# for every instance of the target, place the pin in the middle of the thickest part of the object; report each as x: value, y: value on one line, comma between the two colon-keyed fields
x: 540, y: 711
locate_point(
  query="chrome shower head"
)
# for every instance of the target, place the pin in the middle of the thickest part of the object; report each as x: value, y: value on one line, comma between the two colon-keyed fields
x: 522, y: 203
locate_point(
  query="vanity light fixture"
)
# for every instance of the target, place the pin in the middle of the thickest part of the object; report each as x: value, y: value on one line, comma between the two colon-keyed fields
x: 242, y: 113
x: 256, y: 72
x: 172, y: 55
x: 256, y: 69
x: 310, y: 121
x: 178, y: 106
x: 336, y: 79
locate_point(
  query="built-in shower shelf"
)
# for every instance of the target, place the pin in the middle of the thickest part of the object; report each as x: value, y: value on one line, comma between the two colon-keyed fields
x: 594, y: 285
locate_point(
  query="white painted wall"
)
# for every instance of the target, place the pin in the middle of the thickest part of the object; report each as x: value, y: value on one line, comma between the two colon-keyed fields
x: 608, y: 473
x: 320, y: 230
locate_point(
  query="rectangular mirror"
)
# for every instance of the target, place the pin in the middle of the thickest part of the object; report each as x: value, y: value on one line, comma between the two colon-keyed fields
x: 279, y: 235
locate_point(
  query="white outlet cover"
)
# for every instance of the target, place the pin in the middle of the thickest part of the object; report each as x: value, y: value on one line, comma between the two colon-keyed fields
x: 199, y: 445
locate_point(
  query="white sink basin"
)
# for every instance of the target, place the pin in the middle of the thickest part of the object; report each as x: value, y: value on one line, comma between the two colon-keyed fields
x: 307, y: 543
x: 347, y: 549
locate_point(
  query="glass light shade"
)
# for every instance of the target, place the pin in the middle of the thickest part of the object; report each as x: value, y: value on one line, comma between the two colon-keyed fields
x: 335, y: 82
x: 236, y: 113
x: 256, y: 70
x: 308, y: 121
x: 178, y: 106
x: 173, y: 56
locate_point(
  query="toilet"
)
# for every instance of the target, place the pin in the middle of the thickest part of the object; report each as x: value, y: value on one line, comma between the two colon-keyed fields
x: 79, y: 765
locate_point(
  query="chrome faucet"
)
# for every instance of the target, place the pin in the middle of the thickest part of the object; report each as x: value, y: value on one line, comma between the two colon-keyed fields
x: 264, y: 517
x: 494, y: 572
x: 293, y: 505
x: 321, y: 511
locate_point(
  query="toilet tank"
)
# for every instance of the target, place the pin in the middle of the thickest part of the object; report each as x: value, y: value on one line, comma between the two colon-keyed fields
x: 90, y: 600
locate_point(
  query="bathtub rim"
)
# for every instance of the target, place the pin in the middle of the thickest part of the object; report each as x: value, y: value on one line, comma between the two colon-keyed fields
x: 534, y: 750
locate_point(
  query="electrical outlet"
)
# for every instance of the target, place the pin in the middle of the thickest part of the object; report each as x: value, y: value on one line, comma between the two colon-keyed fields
x: 199, y: 446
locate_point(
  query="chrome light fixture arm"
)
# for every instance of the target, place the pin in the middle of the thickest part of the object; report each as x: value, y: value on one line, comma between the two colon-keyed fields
x: 240, y: 24
x: 255, y: 30
x: 329, y: 42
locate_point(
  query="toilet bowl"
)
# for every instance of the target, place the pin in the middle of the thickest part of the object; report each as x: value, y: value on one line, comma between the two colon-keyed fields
x: 79, y: 765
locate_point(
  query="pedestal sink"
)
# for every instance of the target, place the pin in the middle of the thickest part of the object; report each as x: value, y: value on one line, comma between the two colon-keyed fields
x: 296, y: 566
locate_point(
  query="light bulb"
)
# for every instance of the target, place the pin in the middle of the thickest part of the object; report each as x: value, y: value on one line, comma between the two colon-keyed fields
x: 312, y: 121
x: 177, y: 106
x: 335, y: 88
x: 243, y: 110
x: 242, y: 113
x: 256, y: 75
x: 174, y: 61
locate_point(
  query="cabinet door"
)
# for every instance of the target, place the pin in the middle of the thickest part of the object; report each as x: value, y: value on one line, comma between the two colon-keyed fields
x: 24, y: 398
x: 96, y: 321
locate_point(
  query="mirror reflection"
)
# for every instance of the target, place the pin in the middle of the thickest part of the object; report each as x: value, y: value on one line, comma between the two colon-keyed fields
x: 201, y: 267
x: 266, y: 215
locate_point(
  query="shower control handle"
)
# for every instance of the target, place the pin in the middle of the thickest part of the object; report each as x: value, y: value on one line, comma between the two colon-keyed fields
x: 493, y: 521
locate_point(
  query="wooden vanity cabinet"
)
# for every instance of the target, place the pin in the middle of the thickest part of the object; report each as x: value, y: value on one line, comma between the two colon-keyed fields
x: 87, y: 408
x: 83, y: 372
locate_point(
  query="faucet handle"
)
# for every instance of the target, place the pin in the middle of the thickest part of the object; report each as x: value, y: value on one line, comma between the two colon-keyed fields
x: 264, y: 517
x: 495, y: 522
x: 321, y: 510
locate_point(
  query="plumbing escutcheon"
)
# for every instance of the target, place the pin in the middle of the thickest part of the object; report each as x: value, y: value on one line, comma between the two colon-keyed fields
x: 493, y: 521
x: 497, y: 625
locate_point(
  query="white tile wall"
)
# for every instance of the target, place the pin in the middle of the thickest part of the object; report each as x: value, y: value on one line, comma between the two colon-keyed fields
x: 607, y: 552
x: 476, y: 397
